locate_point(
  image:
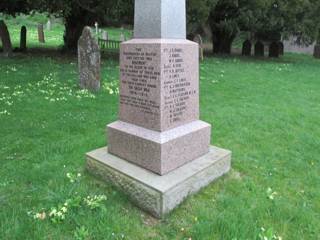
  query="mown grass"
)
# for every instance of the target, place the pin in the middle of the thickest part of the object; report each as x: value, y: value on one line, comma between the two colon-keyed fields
x: 265, y: 111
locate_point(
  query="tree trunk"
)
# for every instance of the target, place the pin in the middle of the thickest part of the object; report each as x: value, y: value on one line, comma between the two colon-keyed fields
x: 5, y: 38
x: 316, y: 52
x: 274, y: 50
x: 222, y: 42
x: 74, y: 25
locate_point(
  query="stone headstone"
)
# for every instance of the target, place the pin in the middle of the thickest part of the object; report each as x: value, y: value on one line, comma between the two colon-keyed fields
x: 122, y: 37
x: 23, y: 39
x: 159, y: 151
x: 48, y: 25
x: 89, y: 61
x: 5, y: 38
x: 259, y: 49
x: 274, y: 50
x: 316, y: 52
x: 281, y: 48
x: 246, y: 48
x: 105, y: 35
x: 198, y: 39
x: 41, y: 33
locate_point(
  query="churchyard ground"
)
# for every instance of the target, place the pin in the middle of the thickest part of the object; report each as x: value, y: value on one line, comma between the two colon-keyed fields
x: 265, y: 111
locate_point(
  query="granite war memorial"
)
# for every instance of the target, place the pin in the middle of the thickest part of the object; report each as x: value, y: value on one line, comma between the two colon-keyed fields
x: 159, y: 151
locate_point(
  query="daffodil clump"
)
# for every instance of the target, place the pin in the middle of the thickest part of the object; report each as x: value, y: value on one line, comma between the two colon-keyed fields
x: 58, y: 214
x: 111, y: 87
x: 95, y: 202
x: 268, y: 235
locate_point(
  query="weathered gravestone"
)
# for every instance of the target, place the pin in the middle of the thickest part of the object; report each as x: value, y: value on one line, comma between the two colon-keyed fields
x: 246, y: 48
x: 259, y: 49
x: 41, y: 33
x: 274, y: 50
x: 316, y: 52
x: 159, y: 151
x: 23, y: 39
x: 5, y: 38
x: 89, y: 61
x: 198, y: 39
x: 281, y: 48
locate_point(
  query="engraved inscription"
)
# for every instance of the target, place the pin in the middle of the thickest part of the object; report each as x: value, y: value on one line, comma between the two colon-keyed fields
x: 177, y: 85
x: 159, y: 85
x: 141, y: 80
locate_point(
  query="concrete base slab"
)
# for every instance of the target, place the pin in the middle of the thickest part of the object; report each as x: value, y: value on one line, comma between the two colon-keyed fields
x: 156, y: 194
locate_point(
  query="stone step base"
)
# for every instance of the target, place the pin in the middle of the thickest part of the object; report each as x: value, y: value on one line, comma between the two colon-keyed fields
x: 160, y: 152
x: 156, y: 194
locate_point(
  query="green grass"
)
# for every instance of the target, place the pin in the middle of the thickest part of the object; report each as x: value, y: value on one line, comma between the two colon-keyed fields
x: 266, y: 112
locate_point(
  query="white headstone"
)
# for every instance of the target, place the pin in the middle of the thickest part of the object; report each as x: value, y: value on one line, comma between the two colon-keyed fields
x: 104, y: 35
x: 122, y: 37
x: 163, y: 19
x: 49, y: 25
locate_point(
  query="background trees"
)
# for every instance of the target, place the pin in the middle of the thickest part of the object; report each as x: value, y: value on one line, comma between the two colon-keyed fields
x: 260, y: 19
x: 79, y: 13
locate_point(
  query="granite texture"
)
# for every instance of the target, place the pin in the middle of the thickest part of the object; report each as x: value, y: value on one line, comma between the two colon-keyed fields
x: 89, y: 61
x: 160, y: 152
x: 160, y: 19
x: 156, y: 194
x: 159, y: 87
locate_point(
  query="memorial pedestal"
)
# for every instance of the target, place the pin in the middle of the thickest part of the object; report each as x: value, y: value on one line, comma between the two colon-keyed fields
x: 158, y: 195
x: 159, y: 151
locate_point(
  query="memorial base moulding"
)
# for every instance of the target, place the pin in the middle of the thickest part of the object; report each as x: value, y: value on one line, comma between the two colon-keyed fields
x: 159, y: 195
x: 159, y: 152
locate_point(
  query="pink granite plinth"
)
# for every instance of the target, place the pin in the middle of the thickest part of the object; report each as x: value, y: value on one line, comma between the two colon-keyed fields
x: 160, y: 152
x: 159, y: 88
x: 159, y: 127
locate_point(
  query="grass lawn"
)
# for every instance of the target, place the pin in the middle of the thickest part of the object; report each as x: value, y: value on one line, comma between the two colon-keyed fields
x: 266, y: 112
